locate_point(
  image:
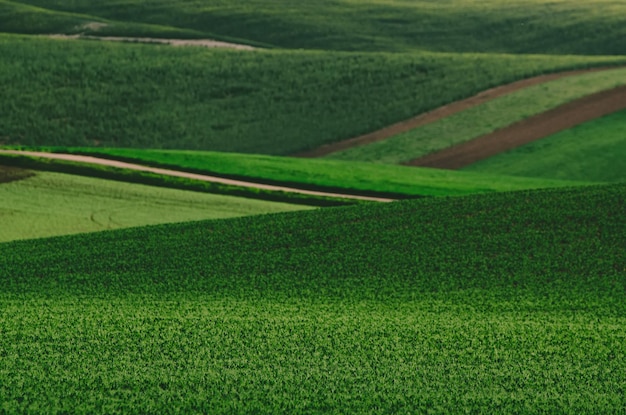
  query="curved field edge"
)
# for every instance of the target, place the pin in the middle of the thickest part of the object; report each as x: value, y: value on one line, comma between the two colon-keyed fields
x: 153, y: 179
x: 539, y: 26
x: 89, y: 93
x: 487, y: 303
x: 593, y: 150
x: 51, y: 204
x: 366, y: 179
x: 484, y: 119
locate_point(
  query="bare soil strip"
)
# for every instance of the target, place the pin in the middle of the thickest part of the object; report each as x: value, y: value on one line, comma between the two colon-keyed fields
x: 207, y: 43
x: 174, y: 173
x: 439, y: 113
x: 534, y: 128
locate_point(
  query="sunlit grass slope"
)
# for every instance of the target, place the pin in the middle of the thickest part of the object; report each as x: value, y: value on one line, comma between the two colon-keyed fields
x: 321, y: 174
x: 59, y: 92
x: 50, y: 204
x: 485, y: 118
x: 512, y: 302
x: 537, y: 26
x: 590, y: 151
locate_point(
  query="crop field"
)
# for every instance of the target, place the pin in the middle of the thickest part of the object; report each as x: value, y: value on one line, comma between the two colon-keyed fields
x: 499, y: 288
x: 537, y: 26
x: 49, y: 204
x: 591, y: 151
x: 89, y: 93
x: 489, y: 302
x: 483, y: 119
x: 322, y: 174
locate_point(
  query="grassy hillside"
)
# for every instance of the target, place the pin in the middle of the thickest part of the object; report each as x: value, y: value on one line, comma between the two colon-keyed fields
x: 320, y: 174
x: 484, y: 119
x: 590, y: 151
x: 60, y: 92
x: 537, y: 26
x: 50, y: 204
x: 511, y: 302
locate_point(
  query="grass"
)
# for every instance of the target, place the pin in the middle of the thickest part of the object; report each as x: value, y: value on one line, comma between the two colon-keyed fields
x: 483, y: 119
x: 593, y: 151
x: 326, y: 175
x: 50, y: 204
x: 511, y: 302
x: 88, y: 93
x: 494, y: 26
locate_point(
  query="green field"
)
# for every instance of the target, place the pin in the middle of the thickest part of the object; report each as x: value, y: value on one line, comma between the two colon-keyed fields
x: 49, y: 204
x: 506, y: 293
x: 89, y: 93
x: 324, y: 175
x: 511, y: 302
x: 484, y: 119
x: 537, y: 26
x: 591, y: 151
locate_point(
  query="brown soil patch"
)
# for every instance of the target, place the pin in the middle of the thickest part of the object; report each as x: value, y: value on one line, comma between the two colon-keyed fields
x: 11, y: 174
x: 440, y: 113
x: 534, y: 128
x: 175, y: 173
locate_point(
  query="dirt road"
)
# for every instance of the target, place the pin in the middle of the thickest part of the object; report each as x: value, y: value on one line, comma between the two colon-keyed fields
x: 440, y: 113
x: 175, y: 173
x: 534, y: 128
x: 207, y: 43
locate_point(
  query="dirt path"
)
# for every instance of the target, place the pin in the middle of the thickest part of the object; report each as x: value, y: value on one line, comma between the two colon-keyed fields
x: 440, y: 113
x: 175, y: 173
x: 207, y: 43
x: 534, y: 128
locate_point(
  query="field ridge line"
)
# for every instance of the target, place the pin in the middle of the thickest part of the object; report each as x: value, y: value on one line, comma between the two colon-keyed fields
x: 193, y: 176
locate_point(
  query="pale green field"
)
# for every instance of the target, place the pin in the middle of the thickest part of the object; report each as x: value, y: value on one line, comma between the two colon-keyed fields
x: 51, y: 204
x: 484, y: 118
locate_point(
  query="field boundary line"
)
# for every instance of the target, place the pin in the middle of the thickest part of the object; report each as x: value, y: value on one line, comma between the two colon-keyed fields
x: 206, y: 43
x: 192, y: 176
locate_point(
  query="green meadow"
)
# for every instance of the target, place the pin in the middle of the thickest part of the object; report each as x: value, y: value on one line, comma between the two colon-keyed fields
x: 475, y: 304
x: 591, y: 151
x: 49, y: 204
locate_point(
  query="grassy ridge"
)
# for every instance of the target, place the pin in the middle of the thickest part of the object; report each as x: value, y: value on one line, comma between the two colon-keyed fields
x: 319, y: 174
x: 591, y: 151
x: 537, y: 26
x: 499, y: 302
x: 484, y: 119
x: 121, y: 95
x: 51, y: 204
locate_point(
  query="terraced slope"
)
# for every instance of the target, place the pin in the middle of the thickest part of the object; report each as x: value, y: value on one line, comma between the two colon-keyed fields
x: 502, y: 303
x: 43, y: 204
x: 537, y: 26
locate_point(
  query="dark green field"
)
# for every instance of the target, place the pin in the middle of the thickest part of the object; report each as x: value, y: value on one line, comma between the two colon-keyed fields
x: 512, y: 302
x: 537, y: 26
